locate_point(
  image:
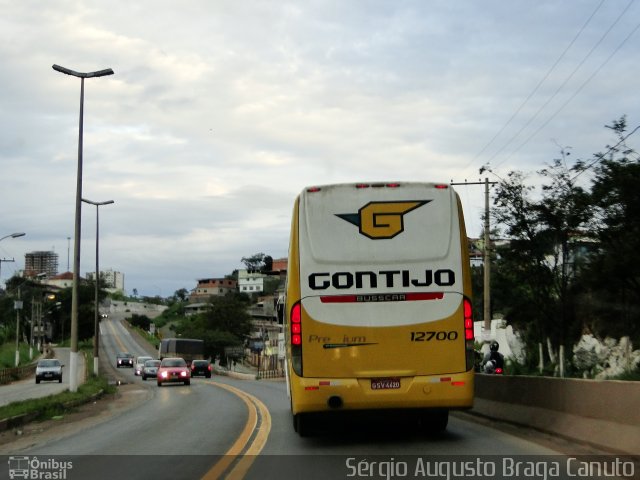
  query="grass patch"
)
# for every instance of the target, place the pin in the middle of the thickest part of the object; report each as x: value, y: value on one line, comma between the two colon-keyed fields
x: 8, y: 354
x: 47, y: 407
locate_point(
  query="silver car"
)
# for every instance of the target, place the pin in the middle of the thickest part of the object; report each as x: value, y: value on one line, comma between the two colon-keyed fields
x: 150, y: 369
x: 49, y: 369
x: 140, y: 363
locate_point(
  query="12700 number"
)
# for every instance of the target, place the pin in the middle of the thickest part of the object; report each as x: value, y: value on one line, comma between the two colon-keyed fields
x: 429, y: 336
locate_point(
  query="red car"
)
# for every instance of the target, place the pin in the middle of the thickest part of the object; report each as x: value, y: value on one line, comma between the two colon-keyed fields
x: 173, y: 370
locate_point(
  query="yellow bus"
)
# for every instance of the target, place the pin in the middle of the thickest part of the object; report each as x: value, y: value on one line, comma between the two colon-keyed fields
x: 378, y: 302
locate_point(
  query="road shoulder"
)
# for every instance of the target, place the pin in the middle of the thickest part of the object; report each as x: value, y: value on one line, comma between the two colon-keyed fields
x: 83, y: 417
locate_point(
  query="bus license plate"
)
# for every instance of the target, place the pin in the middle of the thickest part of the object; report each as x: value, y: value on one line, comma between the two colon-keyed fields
x: 385, y: 383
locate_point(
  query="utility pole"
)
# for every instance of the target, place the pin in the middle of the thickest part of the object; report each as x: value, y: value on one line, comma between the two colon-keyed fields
x: 486, y: 257
x: 17, y: 305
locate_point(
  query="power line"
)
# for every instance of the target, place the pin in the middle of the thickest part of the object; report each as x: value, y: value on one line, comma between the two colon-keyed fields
x: 609, y: 150
x: 537, y: 87
x: 563, y: 106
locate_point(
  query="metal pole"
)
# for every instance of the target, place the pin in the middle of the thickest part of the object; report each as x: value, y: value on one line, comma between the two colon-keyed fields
x: 18, y: 306
x: 487, y: 261
x: 73, y: 360
x: 96, y: 320
x: 17, y: 337
x: 33, y: 309
x: 96, y: 330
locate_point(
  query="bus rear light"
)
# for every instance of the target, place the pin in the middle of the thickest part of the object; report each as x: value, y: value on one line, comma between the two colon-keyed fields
x: 377, y: 185
x: 296, y: 325
x: 295, y: 314
x: 313, y: 189
x: 441, y: 186
x: 296, y: 338
x: 468, y: 333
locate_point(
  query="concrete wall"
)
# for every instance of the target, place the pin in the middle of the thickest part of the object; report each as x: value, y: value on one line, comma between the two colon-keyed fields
x: 605, y: 414
x: 148, y: 309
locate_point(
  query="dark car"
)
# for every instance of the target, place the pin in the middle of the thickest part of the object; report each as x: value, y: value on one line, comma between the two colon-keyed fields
x: 124, y: 359
x: 150, y: 369
x: 201, y: 367
x: 49, y: 369
x: 173, y: 370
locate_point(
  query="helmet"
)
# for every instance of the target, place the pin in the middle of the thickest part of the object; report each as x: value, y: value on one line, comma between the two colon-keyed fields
x: 494, y: 346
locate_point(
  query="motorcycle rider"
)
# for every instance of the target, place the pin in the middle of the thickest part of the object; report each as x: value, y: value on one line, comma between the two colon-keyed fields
x: 493, y: 356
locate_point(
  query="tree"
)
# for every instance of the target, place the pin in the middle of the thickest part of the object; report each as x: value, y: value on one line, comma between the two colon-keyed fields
x: 568, y: 266
x: 612, y: 281
x: 258, y: 262
x: 182, y: 294
x: 225, y: 323
x: 141, y: 321
x: 537, y: 268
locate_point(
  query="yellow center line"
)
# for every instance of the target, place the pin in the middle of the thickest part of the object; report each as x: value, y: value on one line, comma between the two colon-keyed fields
x: 116, y: 336
x: 253, y: 405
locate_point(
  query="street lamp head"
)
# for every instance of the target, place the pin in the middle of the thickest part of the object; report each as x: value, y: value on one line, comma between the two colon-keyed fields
x: 13, y: 235
x: 98, y: 204
x: 67, y: 71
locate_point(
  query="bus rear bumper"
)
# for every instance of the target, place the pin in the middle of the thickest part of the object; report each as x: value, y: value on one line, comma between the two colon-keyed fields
x: 454, y: 391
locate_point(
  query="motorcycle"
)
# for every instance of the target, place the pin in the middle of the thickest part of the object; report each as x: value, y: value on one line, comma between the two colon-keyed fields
x: 491, y: 368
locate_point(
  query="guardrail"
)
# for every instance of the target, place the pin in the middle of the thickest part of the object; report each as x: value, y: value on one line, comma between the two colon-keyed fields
x: 8, y: 375
x: 270, y: 374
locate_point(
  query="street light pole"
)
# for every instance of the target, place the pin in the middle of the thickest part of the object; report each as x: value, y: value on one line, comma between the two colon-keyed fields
x: 96, y: 330
x: 12, y: 235
x: 17, y: 305
x: 73, y: 360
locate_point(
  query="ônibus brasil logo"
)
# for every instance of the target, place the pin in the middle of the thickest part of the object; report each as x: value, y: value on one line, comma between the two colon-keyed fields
x: 382, y: 220
x: 41, y: 469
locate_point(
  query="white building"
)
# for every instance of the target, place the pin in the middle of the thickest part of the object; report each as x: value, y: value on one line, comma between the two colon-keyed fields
x: 250, y: 281
x: 111, y: 281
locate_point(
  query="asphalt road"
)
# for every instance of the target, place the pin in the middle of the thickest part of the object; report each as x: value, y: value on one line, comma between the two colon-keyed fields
x: 229, y: 428
x: 27, y: 388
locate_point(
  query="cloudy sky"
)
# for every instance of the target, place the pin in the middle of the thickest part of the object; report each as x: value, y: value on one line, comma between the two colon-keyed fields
x: 220, y: 112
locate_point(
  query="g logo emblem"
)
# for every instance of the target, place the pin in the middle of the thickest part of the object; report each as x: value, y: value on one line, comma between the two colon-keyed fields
x: 382, y: 220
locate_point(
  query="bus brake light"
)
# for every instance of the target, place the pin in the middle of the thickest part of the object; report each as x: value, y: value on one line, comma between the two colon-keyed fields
x: 296, y: 325
x: 469, y: 335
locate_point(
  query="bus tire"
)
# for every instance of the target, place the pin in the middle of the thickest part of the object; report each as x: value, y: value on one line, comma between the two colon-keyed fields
x: 434, y: 421
x: 301, y: 424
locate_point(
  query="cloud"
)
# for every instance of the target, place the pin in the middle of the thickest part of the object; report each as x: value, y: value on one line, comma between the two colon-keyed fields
x: 219, y: 113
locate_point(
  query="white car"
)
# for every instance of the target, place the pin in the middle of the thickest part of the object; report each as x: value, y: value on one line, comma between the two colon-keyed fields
x: 139, y: 364
x: 49, y: 369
